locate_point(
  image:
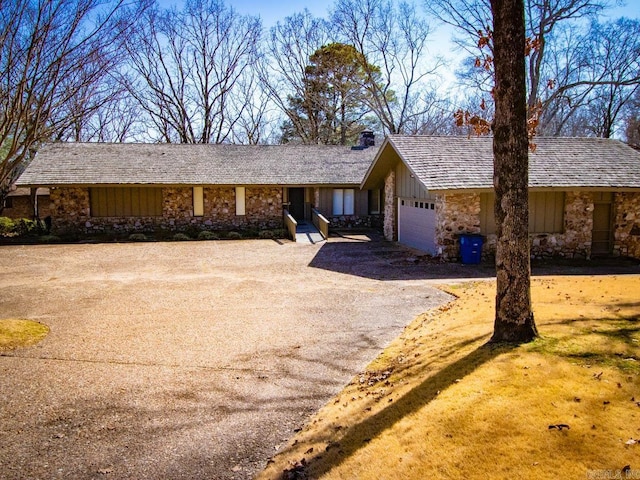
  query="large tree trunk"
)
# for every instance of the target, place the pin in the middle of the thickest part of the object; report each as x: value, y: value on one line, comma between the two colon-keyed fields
x: 514, y: 318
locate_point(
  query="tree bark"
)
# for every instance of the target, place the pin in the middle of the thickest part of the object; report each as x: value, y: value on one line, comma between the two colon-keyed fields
x: 514, y: 319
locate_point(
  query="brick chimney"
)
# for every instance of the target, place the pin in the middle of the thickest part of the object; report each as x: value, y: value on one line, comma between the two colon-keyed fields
x: 367, y: 139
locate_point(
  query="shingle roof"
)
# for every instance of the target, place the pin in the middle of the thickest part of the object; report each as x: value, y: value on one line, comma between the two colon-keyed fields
x: 174, y: 164
x: 444, y: 163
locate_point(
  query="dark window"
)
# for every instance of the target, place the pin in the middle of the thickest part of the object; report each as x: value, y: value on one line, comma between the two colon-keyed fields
x: 375, y: 202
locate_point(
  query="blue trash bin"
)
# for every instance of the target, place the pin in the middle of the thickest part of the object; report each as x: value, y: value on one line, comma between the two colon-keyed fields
x: 471, y: 248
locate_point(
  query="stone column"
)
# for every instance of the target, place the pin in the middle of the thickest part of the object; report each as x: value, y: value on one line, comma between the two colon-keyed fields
x: 627, y: 224
x: 70, y: 210
x: 456, y: 213
x: 390, y: 208
x: 578, y: 224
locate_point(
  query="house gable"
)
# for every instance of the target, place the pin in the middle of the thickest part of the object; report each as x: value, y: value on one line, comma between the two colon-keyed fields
x: 566, y: 177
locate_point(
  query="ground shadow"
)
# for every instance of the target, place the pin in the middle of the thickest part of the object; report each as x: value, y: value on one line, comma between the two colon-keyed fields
x: 367, y: 254
x: 358, y: 435
x: 370, y: 256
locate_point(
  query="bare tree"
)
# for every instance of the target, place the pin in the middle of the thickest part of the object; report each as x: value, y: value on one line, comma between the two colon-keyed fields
x: 188, y: 65
x: 434, y: 115
x: 259, y: 120
x: 514, y: 318
x: 288, y: 49
x: 393, y: 38
x: 632, y: 120
x: 544, y: 20
x: 118, y: 119
x: 52, y: 54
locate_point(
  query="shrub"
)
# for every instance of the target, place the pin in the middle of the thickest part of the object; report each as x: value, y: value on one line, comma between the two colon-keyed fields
x: 181, y: 237
x: 234, y: 236
x: 266, y: 234
x: 250, y: 234
x: 49, y: 239
x: 279, y: 233
x: 207, y: 235
x: 24, y: 226
x: 138, y: 237
x: 6, y: 226
x: 19, y: 227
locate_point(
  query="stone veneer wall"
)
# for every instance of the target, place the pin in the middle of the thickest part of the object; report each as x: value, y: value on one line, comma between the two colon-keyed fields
x: 356, y: 221
x: 626, y: 234
x: 390, y: 225
x: 460, y: 213
x: 455, y: 214
x: 263, y: 208
x: 70, y: 210
x: 575, y: 240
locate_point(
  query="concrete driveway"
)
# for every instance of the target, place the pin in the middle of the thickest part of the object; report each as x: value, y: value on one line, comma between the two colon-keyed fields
x: 189, y: 360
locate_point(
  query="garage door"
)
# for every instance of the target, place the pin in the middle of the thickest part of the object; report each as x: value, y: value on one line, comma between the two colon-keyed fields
x: 417, y: 224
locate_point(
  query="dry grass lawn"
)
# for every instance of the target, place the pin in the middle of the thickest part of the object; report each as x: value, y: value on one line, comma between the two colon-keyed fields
x: 439, y: 403
x: 16, y: 333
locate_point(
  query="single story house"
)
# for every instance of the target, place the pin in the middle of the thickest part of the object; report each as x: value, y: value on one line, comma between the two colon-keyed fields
x: 584, y: 196
x: 18, y: 203
x: 127, y: 187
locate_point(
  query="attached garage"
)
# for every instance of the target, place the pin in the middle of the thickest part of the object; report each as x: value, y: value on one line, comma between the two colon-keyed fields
x: 584, y: 195
x: 417, y: 224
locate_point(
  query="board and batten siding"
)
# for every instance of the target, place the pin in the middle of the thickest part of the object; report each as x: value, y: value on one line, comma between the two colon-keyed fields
x: 407, y: 186
x: 546, y: 212
x: 126, y: 201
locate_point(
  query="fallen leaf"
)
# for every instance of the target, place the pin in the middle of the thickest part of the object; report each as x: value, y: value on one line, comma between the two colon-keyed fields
x: 559, y: 426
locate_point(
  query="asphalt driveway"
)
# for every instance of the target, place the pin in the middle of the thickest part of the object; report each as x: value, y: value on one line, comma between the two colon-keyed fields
x: 189, y: 360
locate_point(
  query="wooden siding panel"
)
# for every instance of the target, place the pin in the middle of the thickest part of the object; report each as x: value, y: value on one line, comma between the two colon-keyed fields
x: 135, y: 200
x: 126, y: 202
x: 487, y: 216
x: 408, y: 186
x: 546, y: 212
x: 326, y: 201
x: 362, y: 202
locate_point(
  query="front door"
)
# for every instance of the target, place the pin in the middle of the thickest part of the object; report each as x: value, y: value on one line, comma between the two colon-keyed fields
x: 601, y: 242
x: 296, y: 203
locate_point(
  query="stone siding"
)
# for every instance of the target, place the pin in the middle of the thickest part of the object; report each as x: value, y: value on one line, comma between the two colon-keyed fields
x: 460, y: 213
x: 356, y: 221
x: 263, y: 208
x: 70, y: 210
x: 390, y: 227
x: 575, y: 240
x: 456, y: 214
x: 626, y: 236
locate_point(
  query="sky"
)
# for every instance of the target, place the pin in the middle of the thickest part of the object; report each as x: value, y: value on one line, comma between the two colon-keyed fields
x: 274, y: 11
x: 271, y: 11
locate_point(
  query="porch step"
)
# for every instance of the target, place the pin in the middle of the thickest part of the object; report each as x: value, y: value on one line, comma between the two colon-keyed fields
x: 307, y: 233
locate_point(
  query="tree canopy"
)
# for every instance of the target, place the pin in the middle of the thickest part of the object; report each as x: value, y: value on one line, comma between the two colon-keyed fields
x: 335, y: 97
